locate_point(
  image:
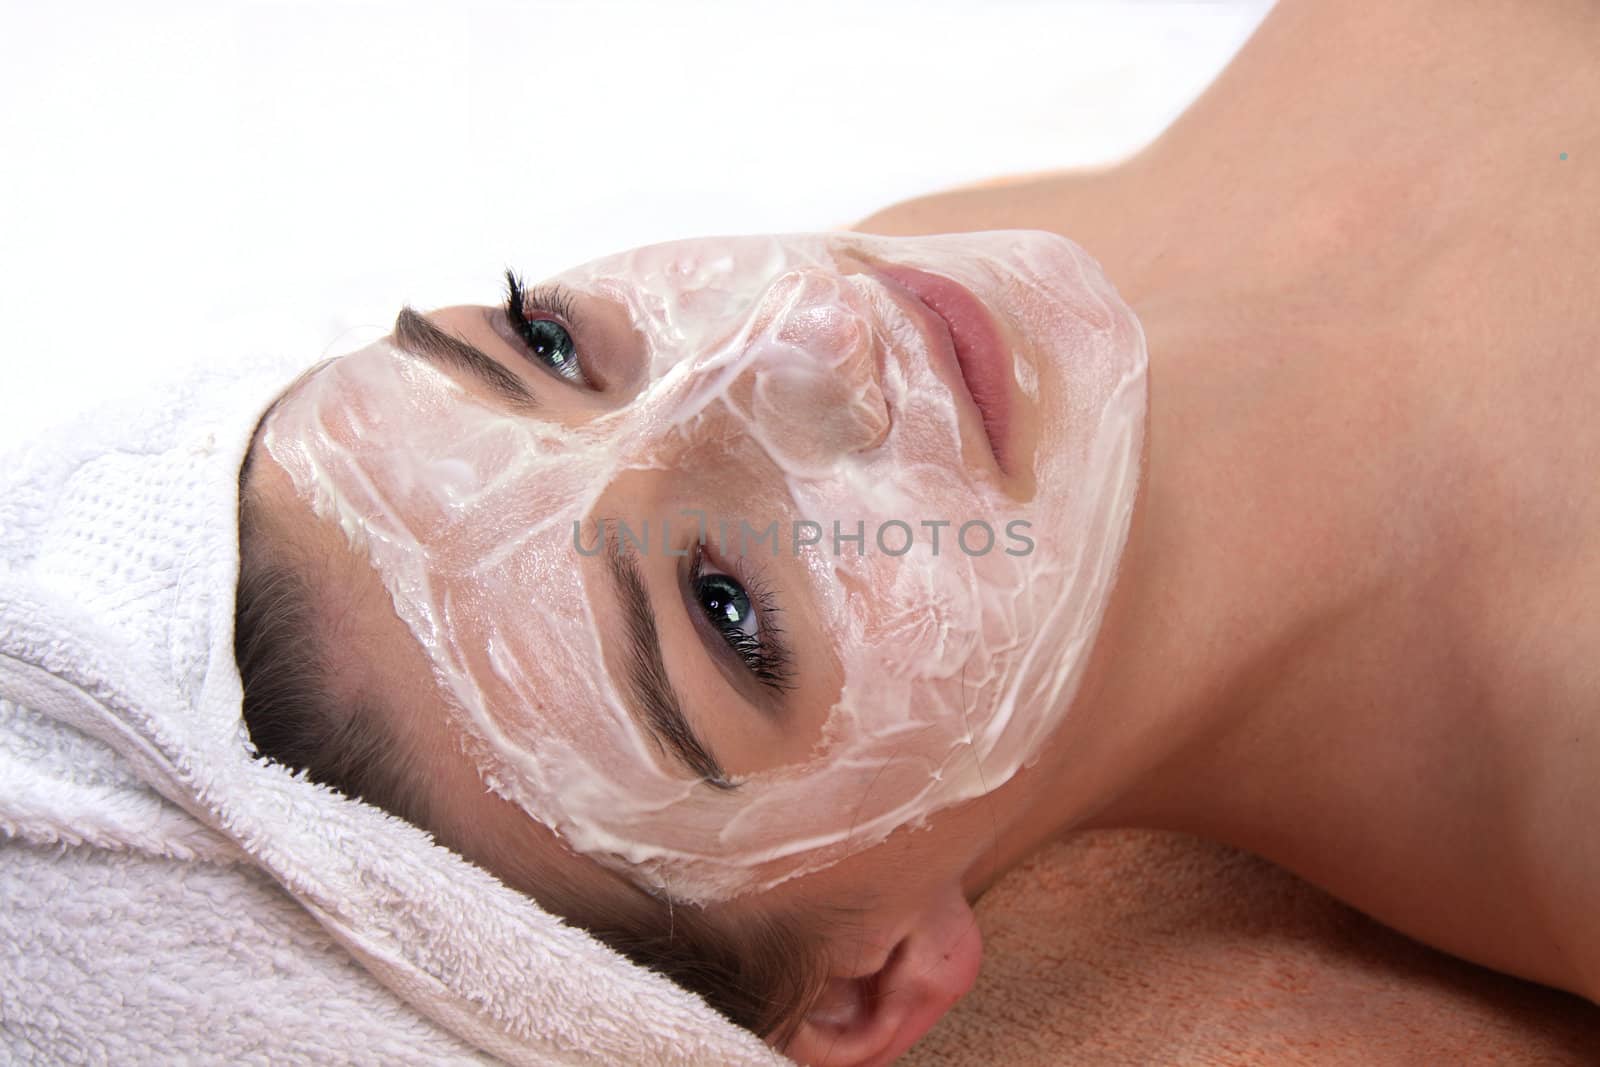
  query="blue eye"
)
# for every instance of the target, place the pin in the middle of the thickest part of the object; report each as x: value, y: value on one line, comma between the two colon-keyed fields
x: 551, y: 344
x: 544, y: 338
x: 726, y: 604
x: 745, y: 619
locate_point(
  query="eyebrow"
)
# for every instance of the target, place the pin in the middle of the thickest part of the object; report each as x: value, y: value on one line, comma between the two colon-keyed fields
x: 416, y: 334
x: 649, y: 685
x: 648, y: 682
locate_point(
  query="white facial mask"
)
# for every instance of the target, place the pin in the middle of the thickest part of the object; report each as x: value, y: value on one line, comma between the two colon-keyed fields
x: 799, y: 368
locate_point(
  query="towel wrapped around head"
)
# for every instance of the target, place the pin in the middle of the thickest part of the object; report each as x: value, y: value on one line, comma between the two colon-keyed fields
x: 171, y: 898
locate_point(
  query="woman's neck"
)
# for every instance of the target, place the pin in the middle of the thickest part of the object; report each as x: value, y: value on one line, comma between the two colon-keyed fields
x: 1266, y: 535
x: 1298, y: 658
x: 1273, y: 530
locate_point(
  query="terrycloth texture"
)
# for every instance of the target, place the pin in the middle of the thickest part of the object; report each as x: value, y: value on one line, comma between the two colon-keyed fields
x: 1134, y: 948
x: 168, y: 898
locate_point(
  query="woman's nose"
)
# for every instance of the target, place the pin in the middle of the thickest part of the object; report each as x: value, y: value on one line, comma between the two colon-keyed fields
x: 816, y: 361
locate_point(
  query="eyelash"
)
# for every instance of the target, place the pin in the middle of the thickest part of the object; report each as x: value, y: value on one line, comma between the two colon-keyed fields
x: 526, y: 309
x: 764, y: 653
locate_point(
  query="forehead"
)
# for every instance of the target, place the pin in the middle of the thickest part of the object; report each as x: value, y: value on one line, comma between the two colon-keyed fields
x: 377, y: 667
x: 466, y: 514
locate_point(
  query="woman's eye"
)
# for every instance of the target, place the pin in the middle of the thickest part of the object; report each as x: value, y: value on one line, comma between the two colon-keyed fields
x: 746, y: 620
x: 551, y: 344
x: 533, y: 317
x: 726, y: 604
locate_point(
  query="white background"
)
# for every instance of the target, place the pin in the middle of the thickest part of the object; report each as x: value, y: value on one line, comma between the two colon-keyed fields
x: 186, y: 182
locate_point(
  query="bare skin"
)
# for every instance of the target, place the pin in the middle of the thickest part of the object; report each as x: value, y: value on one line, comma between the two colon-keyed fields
x: 1371, y: 536
x: 1352, y: 629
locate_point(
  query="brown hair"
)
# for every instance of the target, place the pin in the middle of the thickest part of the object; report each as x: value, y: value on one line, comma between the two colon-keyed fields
x: 760, y: 971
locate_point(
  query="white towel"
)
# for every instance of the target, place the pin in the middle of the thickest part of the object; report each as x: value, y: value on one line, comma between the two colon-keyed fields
x: 167, y: 898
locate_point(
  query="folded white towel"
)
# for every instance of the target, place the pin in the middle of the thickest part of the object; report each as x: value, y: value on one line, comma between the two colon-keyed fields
x: 167, y: 898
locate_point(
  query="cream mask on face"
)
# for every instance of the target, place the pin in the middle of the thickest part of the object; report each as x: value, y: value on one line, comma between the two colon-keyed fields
x: 862, y: 398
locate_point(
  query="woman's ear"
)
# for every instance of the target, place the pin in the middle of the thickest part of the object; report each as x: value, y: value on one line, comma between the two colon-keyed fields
x: 866, y: 1020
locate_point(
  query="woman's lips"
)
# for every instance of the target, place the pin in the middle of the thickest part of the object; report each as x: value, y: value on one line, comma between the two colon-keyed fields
x: 984, y: 361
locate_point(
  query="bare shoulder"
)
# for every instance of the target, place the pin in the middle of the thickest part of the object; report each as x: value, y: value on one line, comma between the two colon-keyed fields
x: 1425, y: 177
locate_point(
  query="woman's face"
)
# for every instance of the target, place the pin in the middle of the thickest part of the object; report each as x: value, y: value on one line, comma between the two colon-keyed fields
x: 734, y: 555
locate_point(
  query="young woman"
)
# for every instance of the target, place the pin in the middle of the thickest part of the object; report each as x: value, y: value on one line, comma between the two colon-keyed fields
x: 1286, y: 541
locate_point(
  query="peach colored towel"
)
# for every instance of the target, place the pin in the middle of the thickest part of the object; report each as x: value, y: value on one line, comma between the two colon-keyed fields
x: 1146, y: 948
